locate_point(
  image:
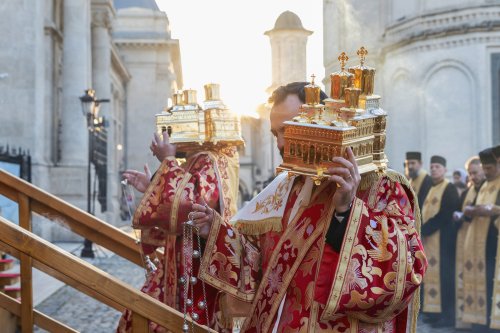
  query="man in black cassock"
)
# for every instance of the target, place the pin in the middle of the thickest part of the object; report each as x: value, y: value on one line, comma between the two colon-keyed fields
x: 439, y: 236
x: 420, y: 181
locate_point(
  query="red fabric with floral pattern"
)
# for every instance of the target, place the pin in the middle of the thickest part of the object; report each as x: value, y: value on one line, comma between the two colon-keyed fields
x: 163, y: 209
x: 366, y: 287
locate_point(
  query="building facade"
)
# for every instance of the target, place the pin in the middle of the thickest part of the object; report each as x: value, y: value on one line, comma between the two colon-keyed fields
x: 437, y: 67
x: 123, y: 49
x: 53, y: 52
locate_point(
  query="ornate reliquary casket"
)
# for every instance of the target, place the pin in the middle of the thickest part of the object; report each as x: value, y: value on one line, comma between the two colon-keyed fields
x: 194, y: 127
x: 351, y: 117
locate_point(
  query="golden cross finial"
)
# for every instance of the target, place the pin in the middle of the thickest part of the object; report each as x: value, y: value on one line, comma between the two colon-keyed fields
x: 312, y: 78
x: 343, y: 59
x: 362, y: 52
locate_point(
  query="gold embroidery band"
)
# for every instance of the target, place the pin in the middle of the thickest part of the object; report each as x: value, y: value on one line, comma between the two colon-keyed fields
x: 400, y: 276
x: 345, y: 255
x: 177, y: 200
x: 149, y: 190
x: 313, y: 317
x: 228, y: 181
x: 432, y: 280
x: 414, y: 309
x: 372, y: 196
x: 460, y: 264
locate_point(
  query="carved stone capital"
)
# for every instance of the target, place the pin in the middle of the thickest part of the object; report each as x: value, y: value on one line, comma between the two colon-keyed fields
x: 102, y: 18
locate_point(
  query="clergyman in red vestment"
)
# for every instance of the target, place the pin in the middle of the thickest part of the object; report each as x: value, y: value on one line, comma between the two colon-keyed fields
x: 209, y: 176
x: 344, y: 256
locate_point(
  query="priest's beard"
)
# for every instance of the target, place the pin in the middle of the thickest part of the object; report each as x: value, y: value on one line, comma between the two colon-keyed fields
x: 413, y: 173
x: 282, y: 152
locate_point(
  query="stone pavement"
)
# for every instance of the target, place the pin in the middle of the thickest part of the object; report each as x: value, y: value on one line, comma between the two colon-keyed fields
x: 83, y: 313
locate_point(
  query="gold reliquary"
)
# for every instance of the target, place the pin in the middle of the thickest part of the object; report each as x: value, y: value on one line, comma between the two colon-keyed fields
x: 351, y: 117
x: 194, y: 127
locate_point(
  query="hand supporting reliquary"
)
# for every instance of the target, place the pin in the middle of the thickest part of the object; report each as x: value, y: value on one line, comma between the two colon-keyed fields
x: 161, y: 146
x: 346, y: 176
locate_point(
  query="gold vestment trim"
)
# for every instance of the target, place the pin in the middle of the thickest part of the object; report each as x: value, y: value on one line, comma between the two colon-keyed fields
x: 432, y: 279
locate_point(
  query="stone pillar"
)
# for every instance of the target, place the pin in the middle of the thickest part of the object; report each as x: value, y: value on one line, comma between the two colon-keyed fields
x: 288, y: 41
x: 75, y: 77
x: 102, y: 17
x: 288, y: 48
x: 69, y: 178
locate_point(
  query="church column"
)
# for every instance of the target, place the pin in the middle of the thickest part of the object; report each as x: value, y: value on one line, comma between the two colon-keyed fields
x: 102, y: 17
x: 288, y: 41
x: 69, y: 178
x: 75, y: 79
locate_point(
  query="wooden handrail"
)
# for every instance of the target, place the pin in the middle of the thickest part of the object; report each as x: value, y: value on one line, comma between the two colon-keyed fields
x: 89, y: 279
x: 14, y: 306
x: 77, y: 220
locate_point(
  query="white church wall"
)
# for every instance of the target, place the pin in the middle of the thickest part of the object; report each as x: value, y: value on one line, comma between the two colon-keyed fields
x: 435, y: 77
x: 430, y: 5
x: 403, y: 105
x: 444, y: 96
x: 448, y: 108
x: 404, y: 9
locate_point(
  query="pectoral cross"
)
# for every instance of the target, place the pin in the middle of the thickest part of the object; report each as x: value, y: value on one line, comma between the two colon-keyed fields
x: 362, y: 52
x: 343, y: 59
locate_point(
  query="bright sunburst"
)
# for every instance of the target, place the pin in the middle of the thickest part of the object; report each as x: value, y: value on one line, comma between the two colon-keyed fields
x: 223, y: 41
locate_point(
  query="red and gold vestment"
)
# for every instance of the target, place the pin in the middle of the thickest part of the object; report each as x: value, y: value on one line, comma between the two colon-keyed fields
x: 210, y: 177
x: 273, y: 257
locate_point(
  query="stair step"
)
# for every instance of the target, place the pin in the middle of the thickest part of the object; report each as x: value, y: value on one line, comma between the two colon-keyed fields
x: 14, y: 292
x: 6, y: 264
x: 6, y: 279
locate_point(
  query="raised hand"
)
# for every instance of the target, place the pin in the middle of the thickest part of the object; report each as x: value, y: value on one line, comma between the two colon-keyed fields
x: 161, y: 146
x: 139, y: 180
x: 346, y: 176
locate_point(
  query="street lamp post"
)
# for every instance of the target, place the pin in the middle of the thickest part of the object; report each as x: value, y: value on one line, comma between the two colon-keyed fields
x: 90, y: 110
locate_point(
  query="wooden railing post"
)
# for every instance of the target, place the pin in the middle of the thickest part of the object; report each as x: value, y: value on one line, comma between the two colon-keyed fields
x: 26, y: 269
x: 139, y: 323
x: 92, y: 281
